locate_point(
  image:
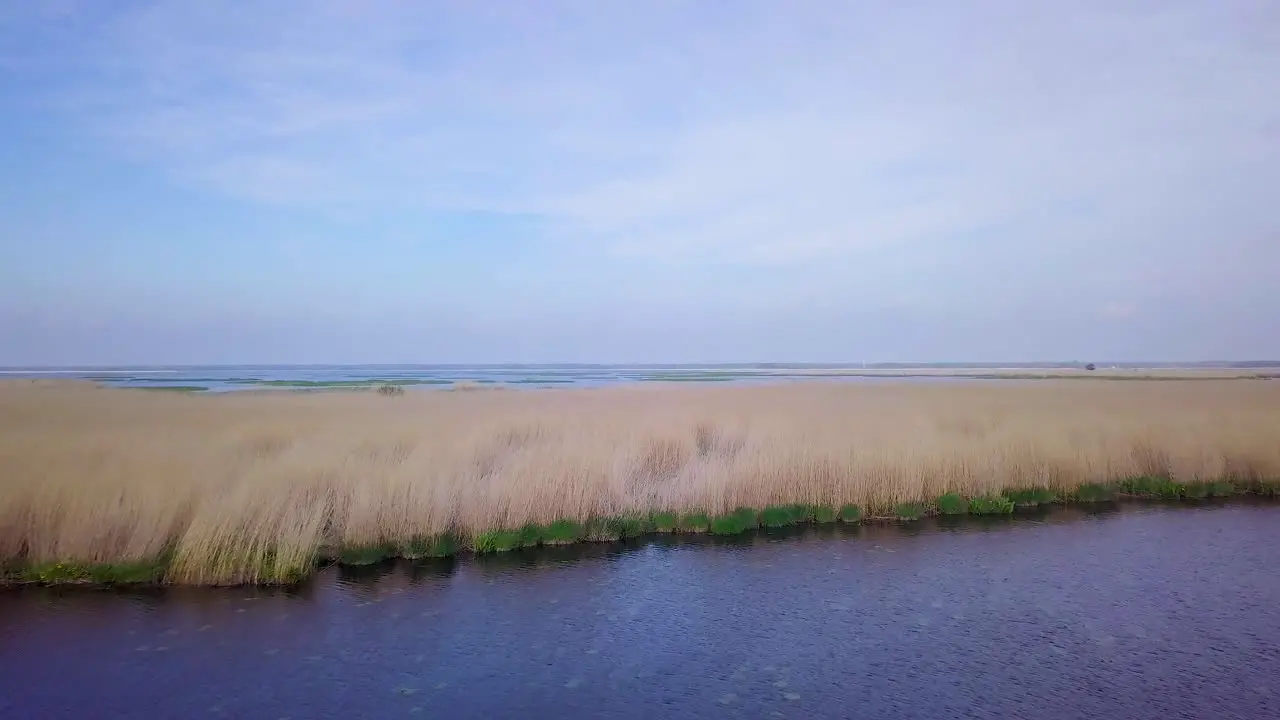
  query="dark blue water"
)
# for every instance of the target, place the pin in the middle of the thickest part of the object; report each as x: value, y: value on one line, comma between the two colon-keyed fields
x: 1151, y: 613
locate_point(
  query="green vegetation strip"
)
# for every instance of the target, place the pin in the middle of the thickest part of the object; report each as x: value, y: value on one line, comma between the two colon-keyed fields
x: 775, y: 516
x: 17, y: 571
x: 143, y: 572
x: 953, y: 504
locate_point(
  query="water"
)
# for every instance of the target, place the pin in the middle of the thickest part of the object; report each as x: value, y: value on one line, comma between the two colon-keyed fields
x: 1140, y: 613
x: 221, y: 378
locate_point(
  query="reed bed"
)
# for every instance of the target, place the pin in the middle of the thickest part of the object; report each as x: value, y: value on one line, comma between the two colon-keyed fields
x: 244, y: 488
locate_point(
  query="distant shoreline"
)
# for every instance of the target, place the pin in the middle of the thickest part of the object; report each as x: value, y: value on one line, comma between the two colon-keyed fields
x: 239, y: 379
x: 684, y: 367
x: 81, y: 371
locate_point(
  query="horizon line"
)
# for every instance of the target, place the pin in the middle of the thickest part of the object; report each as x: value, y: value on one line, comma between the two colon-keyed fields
x: 55, y: 367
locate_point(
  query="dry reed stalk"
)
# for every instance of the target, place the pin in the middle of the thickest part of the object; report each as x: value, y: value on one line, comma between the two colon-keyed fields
x: 247, y: 487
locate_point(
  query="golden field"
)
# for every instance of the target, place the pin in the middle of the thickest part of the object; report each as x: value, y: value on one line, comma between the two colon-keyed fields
x: 242, y: 486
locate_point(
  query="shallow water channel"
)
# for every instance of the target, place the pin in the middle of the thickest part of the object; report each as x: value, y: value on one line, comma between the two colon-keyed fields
x: 1128, y: 612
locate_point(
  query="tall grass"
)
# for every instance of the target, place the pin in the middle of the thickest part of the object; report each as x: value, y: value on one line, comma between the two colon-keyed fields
x: 248, y: 488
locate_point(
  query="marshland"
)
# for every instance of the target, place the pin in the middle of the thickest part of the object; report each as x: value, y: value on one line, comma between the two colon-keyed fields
x: 112, y: 485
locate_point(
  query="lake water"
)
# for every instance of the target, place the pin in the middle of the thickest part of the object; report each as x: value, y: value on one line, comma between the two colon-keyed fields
x: 217, y: 378
x: 1146, y: 612
x: 221, y: 378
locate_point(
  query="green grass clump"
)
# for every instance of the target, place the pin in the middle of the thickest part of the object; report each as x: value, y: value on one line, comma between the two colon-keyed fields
x: 365, y: 554
x: 142, y: 572
x: 1093, y: 492
x: 953, y: 504
x: 55, y: 573
x: 850, y: 513
x: 776, y: 516
x: 631, y: 525
x: 736, y: 522
x: 1152, y: 487
x: 531, y: 535
x: 664, y: 522
x: 727, y: 525
x: 991, y: 505
x: 695, y: 522
x: 1221, y: 488
x: 803, y: 513
x: 621, y: 527
x: 824, y: 514
x: 1031, y: 497
x: 601, y: 530
x: 497, y: 541
x: 64, y: 573
x: 908, y: 511
x: 563, y: 532
x: 1196, y: 491
x: 424, y: 546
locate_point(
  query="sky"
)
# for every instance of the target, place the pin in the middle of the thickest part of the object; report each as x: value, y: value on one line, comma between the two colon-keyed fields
x: 343, y: 181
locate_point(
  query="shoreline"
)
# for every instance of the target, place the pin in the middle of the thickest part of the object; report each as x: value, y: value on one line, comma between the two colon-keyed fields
x: 201, y: 382
x: 1134, y: 491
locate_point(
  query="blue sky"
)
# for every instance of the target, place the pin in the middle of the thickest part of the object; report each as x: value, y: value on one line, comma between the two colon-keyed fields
x: 672, y: 180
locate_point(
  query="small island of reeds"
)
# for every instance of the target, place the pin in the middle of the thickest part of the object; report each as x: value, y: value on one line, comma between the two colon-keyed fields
x: 117, y: 486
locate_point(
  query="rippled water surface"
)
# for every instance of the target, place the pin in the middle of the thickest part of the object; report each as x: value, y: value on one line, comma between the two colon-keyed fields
x: 1134, y: 613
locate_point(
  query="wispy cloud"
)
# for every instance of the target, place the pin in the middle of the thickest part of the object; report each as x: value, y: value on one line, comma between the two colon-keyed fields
x: 769, y: 132
x: 941, y: 153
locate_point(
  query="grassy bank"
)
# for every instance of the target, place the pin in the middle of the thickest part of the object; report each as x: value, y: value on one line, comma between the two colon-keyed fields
x: 100, y: 485
x: 159, y: 570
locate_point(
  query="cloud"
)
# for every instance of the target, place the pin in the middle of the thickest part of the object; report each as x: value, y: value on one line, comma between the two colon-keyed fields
x: 939, y: 154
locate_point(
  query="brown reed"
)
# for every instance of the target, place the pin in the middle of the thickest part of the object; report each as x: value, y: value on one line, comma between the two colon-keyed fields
x: 247, y: 487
